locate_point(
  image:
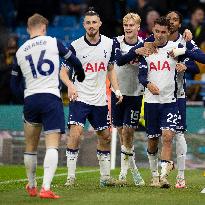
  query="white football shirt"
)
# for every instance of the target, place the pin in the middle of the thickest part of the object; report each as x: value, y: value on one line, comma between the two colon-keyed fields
x: 127, y: 74
x: 162, y: 72
x: 95, y: 60
x: 38, y: 59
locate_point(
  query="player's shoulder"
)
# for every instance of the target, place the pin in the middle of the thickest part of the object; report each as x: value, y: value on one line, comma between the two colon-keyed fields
x: 106, y: 39
x: 180, y: 39
x: 120, y: 39
x: 78, y: 41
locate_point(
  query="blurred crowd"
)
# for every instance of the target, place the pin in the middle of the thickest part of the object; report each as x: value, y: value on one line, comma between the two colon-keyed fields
x: 14, y: 13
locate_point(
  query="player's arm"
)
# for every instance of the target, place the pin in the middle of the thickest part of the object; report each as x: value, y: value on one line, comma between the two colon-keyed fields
x: 194, y: 52
x: 143, y: 74
x: 17, y: 80
x: 112, y: 76
x: 192, y: 67
x: 71, y: 60
x: 191, y: 51
x: 133, y: 53
x: 187, y: 65
x: 64, y: 76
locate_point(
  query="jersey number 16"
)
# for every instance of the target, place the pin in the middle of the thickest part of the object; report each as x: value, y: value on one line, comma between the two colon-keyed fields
x: 40, y: 63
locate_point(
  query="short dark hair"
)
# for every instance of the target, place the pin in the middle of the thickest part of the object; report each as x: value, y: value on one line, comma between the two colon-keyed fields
x: 162, y: 21
x: 91, y: 12
x: 178, y: 14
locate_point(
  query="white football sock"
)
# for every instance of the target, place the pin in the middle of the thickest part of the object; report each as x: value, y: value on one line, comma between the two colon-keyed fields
x: 72, y: 156
x: 153, y: 163
x: 181, y: 150
x: 124, y: 160
x: 30, y: 161
x: 50, y: 165
x: 165, y: 167
x: 132, y: 163
x: 104, y: 162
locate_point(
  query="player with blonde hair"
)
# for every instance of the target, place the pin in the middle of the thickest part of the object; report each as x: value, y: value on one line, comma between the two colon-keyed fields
x: 125, y: 116
x: 37, y: 62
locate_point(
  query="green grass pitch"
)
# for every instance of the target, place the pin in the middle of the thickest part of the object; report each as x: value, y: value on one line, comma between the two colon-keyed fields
x: 87, y: 190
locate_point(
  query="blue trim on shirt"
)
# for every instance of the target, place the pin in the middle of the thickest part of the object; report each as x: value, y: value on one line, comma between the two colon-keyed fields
x: 61, y: 49
x: 163, y: 45
x: 130, y: 44
x: 72, y: 49
x: 143, y: 72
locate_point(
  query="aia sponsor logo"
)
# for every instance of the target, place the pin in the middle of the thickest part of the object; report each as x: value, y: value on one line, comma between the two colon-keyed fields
x: 96, y: 67
x: 159, y: 65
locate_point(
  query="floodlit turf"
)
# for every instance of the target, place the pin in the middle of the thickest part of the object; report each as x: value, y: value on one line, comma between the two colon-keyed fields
x: 87, y: 190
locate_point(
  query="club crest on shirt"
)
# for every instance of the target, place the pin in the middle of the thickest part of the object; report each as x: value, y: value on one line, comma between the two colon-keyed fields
x: 105, y: 53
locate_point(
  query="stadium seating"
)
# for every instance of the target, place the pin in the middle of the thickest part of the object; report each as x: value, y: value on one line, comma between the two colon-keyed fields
x: 65, y: 28
x: 65, y: 21
x: 22, y: 34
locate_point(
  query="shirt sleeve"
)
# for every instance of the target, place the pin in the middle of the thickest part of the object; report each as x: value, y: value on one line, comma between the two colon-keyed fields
x: 150, y: 38
x: 70, y: 60
x: 191, y: 66
x: 112, y: 57
x: 194, y: 52
x: 143, y: 71
x: 17, y: 81
x: 64, y: 52
x: 124, y: 59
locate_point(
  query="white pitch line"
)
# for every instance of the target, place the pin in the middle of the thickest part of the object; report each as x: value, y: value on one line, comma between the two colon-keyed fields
x: 56, y: 175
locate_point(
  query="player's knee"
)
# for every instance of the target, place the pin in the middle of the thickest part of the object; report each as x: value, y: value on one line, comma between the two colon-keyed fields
x: 75, y: 134
x: 152, y: 148
x: 73, y: 140
x: 127, y: 135
x: 105, y: 140
x: 31, y: 146
x: 167, y: 138
x: 152, y: 145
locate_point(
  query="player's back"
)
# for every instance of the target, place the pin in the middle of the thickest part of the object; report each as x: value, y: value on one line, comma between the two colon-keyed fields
x: 38, y: 59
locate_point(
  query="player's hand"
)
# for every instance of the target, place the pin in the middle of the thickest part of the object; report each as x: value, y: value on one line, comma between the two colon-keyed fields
x: 119, y: 96
x: 180, y: 67
x: 153, y: 88
x: 187, y: 35
x: 177, y: 52
x: 72, y: 93
x: 151, y: 46
x: 80, y: 75
x: 143, y: 51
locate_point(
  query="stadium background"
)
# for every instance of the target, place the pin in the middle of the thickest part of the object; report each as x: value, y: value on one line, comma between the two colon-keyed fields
x: 65, y: 18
